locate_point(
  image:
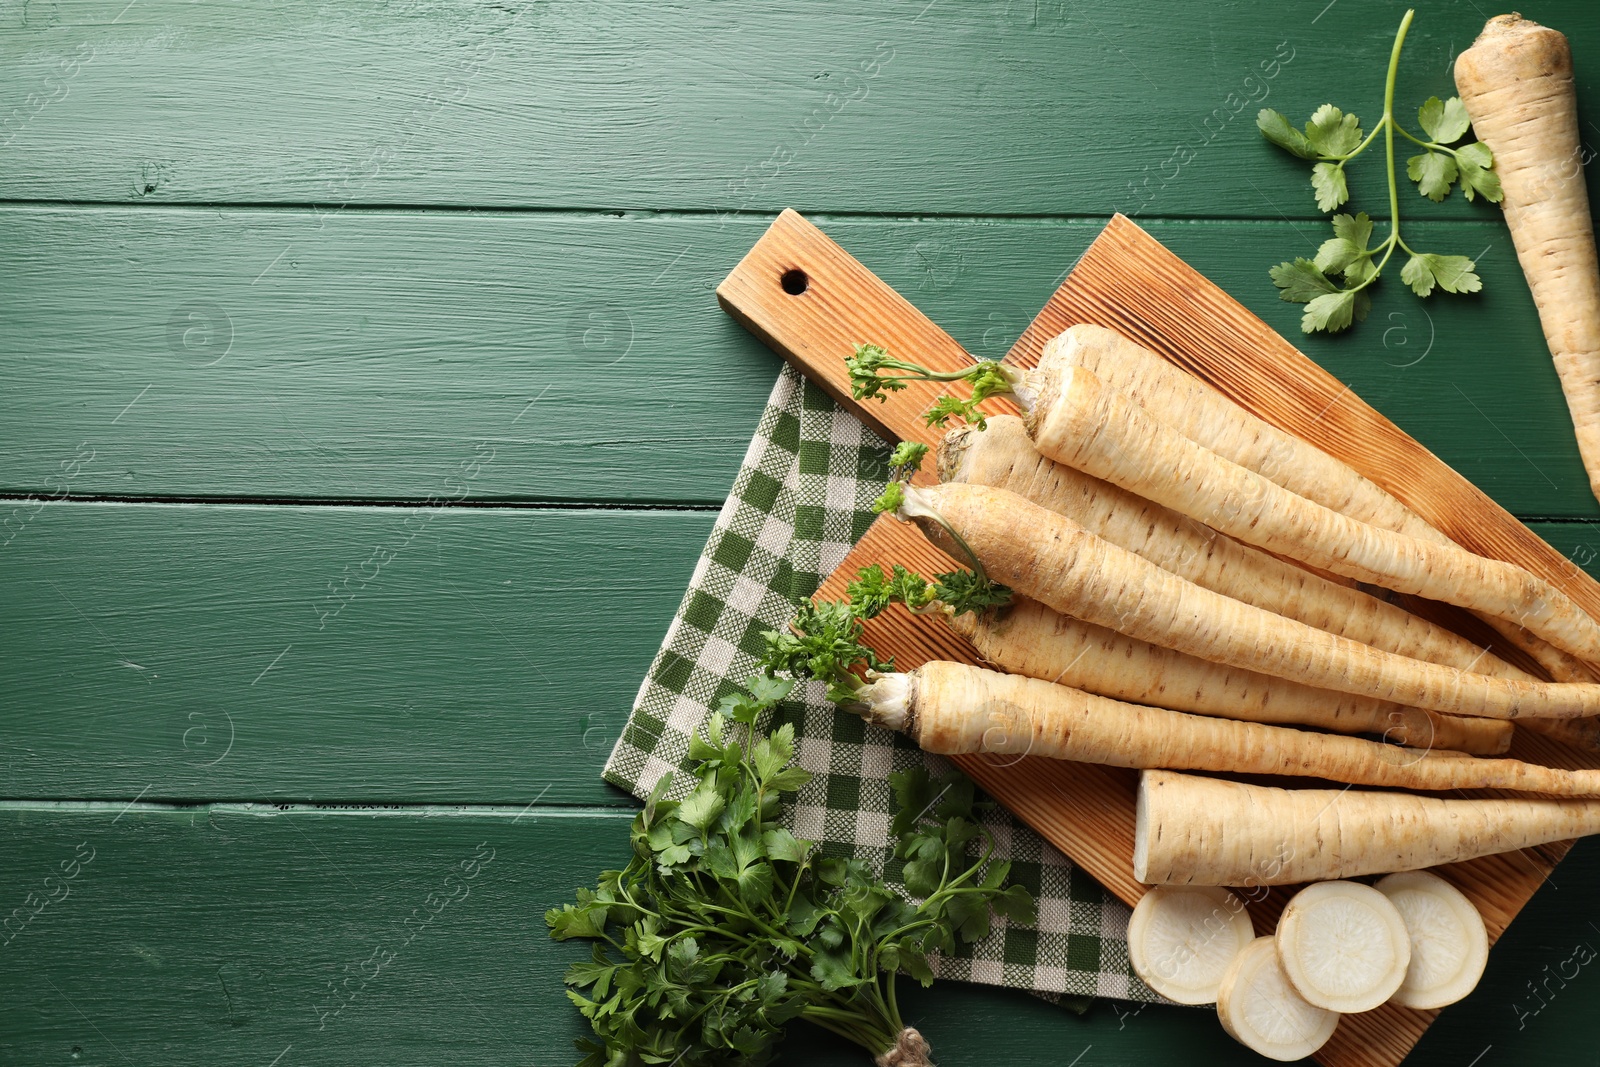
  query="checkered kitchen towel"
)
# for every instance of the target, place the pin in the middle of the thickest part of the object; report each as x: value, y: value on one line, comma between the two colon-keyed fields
x: 802, y: 499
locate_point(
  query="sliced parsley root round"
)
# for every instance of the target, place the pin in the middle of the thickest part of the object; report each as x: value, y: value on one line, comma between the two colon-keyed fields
x: 1449, y: 945
x: 1182, y: 939
x: 957, y: 709
x: 1516, y: 82
x: 1071, y: 571
x: 1343, y: 945
x: 1081, y: 422
x: 1261, y: 1010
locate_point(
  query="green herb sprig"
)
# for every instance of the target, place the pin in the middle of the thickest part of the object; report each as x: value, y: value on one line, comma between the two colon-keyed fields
x: 1334, y: 285
x: 874, y: 373
x: 873, y: 591
x: 724, y: 927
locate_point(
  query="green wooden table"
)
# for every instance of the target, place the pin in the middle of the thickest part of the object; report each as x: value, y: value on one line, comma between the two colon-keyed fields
x: 364, y: 404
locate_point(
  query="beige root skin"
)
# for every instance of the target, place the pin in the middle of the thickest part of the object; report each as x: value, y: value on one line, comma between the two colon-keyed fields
x: 1202, y: 414
x: 1516, y: 82
x: 1084, y: 424
x: 1075, y: 573
x: 960, y: 709
x: 1191, y: 830
x: 1028, y: 638
x: 1003, y: 457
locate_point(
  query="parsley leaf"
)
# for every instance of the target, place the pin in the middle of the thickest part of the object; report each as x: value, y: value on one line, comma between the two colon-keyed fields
x: 1453, y: 274
x: 1280, y: 131
x: 1475, y: 162
x: 1328, y: 181
x: 1333, y: 133
x: 1434, y: 173
x: 1445, y: 121
x: 1301, y: 280
x: 1331, y: 312
x: 721, y: 930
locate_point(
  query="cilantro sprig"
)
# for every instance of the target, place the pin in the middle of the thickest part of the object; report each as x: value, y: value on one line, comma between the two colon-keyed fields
x: 1334, y: 285
x: 874, y: 374
x: 724, y: 927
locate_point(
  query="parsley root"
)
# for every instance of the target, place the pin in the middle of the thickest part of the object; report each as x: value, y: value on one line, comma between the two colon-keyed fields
x: 1028, y: 638
x: 954, y: 709
x: 1025, y: 637
x: 1207, y: 417
x: 1003, y: 457
x: 1076, y: 573
x: 1192, y: 830
x: 1081, y: 422
x: 1516, y: 82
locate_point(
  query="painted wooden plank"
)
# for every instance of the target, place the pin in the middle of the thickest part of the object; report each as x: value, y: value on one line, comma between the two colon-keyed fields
x: 1026, y: 106
x: 210, y: 936
x: 177, y: 353
x: 333, y: 653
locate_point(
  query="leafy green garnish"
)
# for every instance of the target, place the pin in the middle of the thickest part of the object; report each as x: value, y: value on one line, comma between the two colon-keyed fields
x: 825, y: 644
x: 1333, y: 286
x: 960, y: 591
x: 873, y: 373
x: 724, y: 927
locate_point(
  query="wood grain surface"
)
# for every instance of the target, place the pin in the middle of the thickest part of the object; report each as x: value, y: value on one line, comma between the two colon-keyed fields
x: 449, y: 330
x: 349, y: 654
x: 399, y: 223
x: 1128, y: 282
x: 905, y: 106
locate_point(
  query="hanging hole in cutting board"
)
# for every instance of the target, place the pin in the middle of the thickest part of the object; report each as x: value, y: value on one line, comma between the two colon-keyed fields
x: 794, y: 282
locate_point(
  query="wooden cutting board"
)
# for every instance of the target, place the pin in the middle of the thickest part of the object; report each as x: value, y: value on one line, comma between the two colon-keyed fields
x: 806, y: 298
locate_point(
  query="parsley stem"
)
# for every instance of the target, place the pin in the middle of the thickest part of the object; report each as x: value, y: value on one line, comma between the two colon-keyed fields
x: 1403, y: 132
x: 1389, y: 126
x: 1360, y: 148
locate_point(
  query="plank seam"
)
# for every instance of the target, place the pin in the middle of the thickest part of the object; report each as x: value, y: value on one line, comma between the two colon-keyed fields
x: 606, y: 212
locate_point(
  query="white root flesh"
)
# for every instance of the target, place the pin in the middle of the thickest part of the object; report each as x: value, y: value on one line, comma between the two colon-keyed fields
x: 1344, y: 946
x: 1449, y: 945
x: 1261, y: 1010
x: 1181, y: 940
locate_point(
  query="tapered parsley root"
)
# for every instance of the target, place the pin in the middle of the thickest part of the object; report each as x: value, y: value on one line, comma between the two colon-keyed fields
x: 1516, y: 83
x: 1081, y: 422
x: 1191, y: 830
x: 1028, y: 638
x: 956, y: 709
x: 1204, y: 415
x: 1075, y: 573
x: 1003, y: 457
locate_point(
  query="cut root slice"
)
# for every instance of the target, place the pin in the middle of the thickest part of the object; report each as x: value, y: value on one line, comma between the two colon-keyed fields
x: 1344, y: 946
x: 1261, y: 1010
x: 1449, y: 945
x: 1182, y: 939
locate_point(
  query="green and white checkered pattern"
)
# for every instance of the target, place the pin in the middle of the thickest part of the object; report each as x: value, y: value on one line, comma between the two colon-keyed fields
x: 802, y: 499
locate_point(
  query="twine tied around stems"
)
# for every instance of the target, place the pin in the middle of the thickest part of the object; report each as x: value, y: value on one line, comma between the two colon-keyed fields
x: 910, y: 1050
